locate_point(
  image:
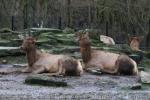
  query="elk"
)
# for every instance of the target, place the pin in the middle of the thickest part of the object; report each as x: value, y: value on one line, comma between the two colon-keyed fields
x: 135, y: 43
x: 107, y: 62
x: 39, y: 62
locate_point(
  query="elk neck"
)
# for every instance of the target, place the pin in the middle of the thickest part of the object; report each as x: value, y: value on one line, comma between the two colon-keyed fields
x: 85, y: 49
x: 31, y: 56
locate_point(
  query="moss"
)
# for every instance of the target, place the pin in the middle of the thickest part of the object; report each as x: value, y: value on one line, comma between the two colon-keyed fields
x: 45, y: 81
x: 145, y: 86
x: 51, y: 39
x: 142, y: 87
x: 145, y: 63
x: 147, y: 54
x: 68, y: 30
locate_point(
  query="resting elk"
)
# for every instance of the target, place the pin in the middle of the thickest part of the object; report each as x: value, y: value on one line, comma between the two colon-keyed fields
x: 107, y: 62
x: 39, y: 62
x: 135, y: 43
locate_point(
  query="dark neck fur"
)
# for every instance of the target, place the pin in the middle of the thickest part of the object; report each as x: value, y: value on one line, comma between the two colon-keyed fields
x: 85, y: 49
x: 31, y: 56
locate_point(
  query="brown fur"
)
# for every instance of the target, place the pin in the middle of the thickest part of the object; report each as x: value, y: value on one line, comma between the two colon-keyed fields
x: 124, y: 67
x: 66, y: 63
x: 85, y: 49
x: 43, y: 62
x: 32, y: 54
x: 135, y: 43
x: 108, y: 62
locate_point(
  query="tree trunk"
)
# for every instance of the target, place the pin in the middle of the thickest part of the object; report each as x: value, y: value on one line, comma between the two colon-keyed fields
x: 68, y: 13
x: 60, y: 22
x: 107, y: 28
x: 12, y: 23
x: 89, y: 14
x: 25, y: 16
x: 133, y: 30
x: 148, y: 37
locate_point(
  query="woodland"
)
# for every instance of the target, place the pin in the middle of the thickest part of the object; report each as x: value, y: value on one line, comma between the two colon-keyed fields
x: 109, y: 17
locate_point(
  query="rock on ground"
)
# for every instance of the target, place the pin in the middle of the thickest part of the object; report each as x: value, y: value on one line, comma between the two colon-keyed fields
x: 145, y: 77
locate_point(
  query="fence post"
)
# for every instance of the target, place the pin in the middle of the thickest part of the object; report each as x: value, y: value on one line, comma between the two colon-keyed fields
x: 148, y: 37
x: 68, y: 13
x: 25, y: 15
x: 107, y: 28
x: 12, y: 23
x: 59, y: 22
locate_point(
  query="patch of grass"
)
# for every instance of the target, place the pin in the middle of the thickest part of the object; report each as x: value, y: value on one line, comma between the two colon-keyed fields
x: 147, y: 54
x: 145, y: 86
x: 145, y: 63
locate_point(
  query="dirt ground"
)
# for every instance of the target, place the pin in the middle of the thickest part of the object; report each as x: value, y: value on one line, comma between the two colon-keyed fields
x: 86, y: 87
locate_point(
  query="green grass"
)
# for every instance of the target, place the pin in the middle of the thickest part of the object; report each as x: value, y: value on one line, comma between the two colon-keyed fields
x: 145, y: 63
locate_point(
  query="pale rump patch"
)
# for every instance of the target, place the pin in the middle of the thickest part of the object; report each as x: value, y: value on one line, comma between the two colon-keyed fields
x: 107, y: 62
x: 80, y: 68
x: 126, y: 66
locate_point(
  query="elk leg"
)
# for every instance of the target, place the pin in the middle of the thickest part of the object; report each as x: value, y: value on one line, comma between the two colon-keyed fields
x: 39, y: 70
x: 52, y: 74
x: 4, y: 72
x: 108, y: 70
x: 27, y: 70
x: 97, y: 68
x: 9, y: 70
x: 59, y: 73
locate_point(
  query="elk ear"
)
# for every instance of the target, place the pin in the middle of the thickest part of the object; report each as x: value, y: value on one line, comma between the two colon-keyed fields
x: 81, y: 35
x: 130, y: 39
x: 34, y: 40
x: 140, y: 38
x: 86, y: 35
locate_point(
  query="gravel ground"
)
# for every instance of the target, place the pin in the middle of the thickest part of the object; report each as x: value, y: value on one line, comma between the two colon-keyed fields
x: 86, y: 87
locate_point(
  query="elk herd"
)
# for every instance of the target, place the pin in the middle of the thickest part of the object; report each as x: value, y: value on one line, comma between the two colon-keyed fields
x: 59, y: 64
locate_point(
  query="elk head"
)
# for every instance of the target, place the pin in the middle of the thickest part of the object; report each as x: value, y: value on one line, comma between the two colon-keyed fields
x: 28, y: 43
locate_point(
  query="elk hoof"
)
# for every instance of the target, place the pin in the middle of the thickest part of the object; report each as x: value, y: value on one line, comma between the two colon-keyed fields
x: 3, y: 73
x: 26, y: 70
